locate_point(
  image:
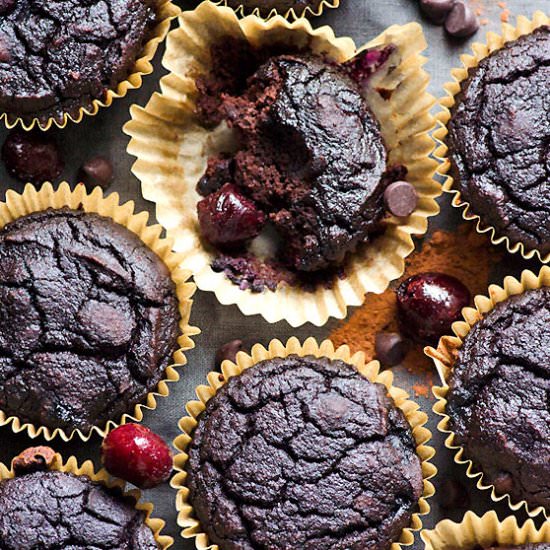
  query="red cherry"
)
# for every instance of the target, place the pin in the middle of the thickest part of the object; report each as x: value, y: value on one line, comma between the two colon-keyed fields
x: 228, y: 219
x: 138, y: 455
x: 428, y: 304
x: 32, y: 156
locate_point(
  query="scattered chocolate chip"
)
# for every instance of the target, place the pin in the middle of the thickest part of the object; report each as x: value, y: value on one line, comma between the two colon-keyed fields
x: 33, y: 459
x: 228, y: 352
x: 436, y: 10
x: 96, y: 172
x: 6, y: 6
x: 32, y: 156
x: 504, y: 483
x: 400, y: 198
x: 390, y: 348
x: 461, y: 21
x: 453, y: 495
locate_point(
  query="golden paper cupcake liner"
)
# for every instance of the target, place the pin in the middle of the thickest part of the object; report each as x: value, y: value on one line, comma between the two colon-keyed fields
x: 485, y: 532
x: 480, y: 51
x: 166, y: 12
x: 446, y: 354
x: 34, y: 200
x: 416, y: 419
x: 71, y: 466
x: 172, y: 149
x: 290, y: 14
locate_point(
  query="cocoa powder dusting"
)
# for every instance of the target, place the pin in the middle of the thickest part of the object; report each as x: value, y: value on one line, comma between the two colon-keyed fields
x: 464, y: 254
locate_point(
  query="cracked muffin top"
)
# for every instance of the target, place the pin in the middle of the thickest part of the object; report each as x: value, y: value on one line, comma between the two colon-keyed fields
x: 303, y: 453
x: 89, y: 319
x: 52, y: 509
x: 498, y: 398
x: 56, y: 57
x: 499, y: 140
x: 310, y: 155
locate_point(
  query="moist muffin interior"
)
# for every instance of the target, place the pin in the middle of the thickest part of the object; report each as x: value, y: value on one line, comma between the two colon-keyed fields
x: 499, y: 140
x: 303, y: 453
x: 51, y: 510
x: 498, y: 398
x: 309, y: 154
x: 89, y: 319
x: 56, y: 57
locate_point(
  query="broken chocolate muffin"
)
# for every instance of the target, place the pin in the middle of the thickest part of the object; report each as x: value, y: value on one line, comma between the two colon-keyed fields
x: 88, y: 319
x: 498, y: 397
x: 57, y: 57
x: 303, y: 452
x: 499, y: 140
x: 310, y: 162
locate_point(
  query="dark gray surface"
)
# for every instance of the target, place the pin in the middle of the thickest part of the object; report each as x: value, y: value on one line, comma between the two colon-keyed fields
x: 362, y: 20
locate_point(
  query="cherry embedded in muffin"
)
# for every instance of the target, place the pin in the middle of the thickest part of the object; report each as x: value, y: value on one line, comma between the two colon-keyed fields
x: 228, y: 219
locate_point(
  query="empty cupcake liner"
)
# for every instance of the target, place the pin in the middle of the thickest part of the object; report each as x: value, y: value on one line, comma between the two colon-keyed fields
x: 166, y: 12
x: 172, y: 149
x: 445, y: 355
x: 485, y: 532
x: 290, y: 14
x: 34, y: 200
x: 416, y: 418
x: 71, y: 466
x: 480, y: 51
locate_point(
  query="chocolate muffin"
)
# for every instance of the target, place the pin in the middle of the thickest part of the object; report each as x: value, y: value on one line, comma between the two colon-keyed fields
x: 56, y: 57
x: 310, y: 159
x: 52, y: 509
x: 265, y: 7
x: 303, y: 453
x: 499, y: 140
x: 498, y: 397
x: 89, y: 319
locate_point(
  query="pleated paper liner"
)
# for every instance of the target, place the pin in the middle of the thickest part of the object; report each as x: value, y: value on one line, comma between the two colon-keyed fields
x: 485, y: 532
x: 446, y: 354
x: 480, y: 51
x: 166, y: 12
x: 416, y: 418
x: 172, y: 150
x: 71, y: 466
x: 33, y: 200
x: 290, y: 14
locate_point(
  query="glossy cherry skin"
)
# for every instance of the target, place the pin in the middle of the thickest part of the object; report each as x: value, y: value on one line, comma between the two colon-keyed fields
x: 428, y: 304
x: 228, y: 219
x: 138, y: 455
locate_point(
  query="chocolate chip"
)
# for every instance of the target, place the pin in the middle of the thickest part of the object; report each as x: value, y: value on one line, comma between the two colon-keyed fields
x: 33, y: 459
x: 400, y: 198
x: 390, y: 348
x: 6, y: 6
x: 461, y: 21
x: 96, y: 172
x: 436, y: 10
x: 453, y: 495
x: 32, y: 156
x: 228, y: 352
